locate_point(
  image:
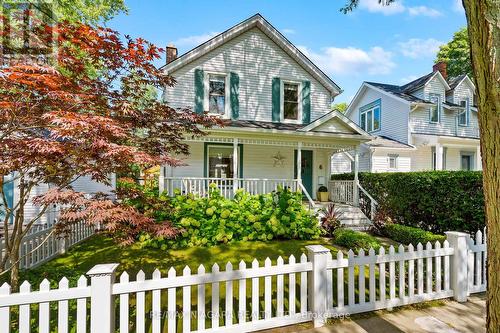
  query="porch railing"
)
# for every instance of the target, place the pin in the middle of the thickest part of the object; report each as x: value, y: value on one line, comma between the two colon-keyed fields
x: 227, y: 186
x: 342, y: 191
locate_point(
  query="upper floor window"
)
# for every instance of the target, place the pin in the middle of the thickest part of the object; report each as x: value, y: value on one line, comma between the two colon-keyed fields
x: 463, y: 115
x: 216, y: 101
x: 393, y: 162
x: 370, y: 117
x: 435, y: 110
x: 291, y: 106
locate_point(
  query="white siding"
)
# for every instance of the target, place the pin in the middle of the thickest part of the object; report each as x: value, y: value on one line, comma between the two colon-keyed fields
x: 340, y: 164
x: 419, y: 123
x: 393, y: 113
x: 380, y: 160
x: 422, y: 159
x: 435, y: 86
x: 257, y: 60
x: 462, y: 91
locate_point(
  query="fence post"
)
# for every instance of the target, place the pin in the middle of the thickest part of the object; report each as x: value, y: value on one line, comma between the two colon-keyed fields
x: 317, y: 283
x: 459, y: 270
x: 102, y: 303
x: 62, y: 243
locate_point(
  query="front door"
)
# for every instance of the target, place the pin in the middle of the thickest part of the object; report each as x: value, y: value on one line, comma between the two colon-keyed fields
x: 466, y: 162
x: 307, y: 169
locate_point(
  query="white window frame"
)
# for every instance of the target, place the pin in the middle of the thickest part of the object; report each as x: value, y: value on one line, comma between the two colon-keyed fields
x: 229, y: 147
x: 438, y: 108
x: 227, y: 91
x: 396, y: 160
x: 467, y: 112
x: 372, y: 110
x: 282, y: 102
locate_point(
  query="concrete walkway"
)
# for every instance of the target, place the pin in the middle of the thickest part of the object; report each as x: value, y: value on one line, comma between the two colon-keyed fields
x: 452, y: 317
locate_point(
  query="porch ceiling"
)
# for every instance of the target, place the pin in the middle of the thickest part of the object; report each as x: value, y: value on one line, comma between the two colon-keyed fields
x: 332, y: 146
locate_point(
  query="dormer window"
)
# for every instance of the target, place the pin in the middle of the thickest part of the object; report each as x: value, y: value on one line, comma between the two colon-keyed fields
x: 463, y: 116
x: 435, y: 110
x: 216, y: 92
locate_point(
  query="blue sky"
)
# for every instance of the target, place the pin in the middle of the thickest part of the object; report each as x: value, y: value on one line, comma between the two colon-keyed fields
x: 391, y: 44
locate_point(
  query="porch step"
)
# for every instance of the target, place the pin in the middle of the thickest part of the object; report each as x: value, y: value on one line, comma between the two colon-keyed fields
x: 351, y: 217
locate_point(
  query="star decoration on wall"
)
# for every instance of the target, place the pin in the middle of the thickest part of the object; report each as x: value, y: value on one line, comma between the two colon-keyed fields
x: 279, y: 160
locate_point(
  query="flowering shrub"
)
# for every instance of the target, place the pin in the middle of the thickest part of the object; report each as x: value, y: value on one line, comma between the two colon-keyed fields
x: 215, y: 220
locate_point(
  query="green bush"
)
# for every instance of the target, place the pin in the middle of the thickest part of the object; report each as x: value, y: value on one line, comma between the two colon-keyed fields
x: 411, y: 235
x: 355, y: 240
x: 215, y: 219
x: 437, y: 201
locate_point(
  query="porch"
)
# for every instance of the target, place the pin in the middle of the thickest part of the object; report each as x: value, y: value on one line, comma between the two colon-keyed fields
x: 260, y: 166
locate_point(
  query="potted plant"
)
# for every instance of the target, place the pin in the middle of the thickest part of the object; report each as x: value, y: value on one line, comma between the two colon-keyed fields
x: 322, y: 194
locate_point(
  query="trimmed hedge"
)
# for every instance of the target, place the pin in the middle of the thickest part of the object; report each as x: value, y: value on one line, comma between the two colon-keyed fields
x: 355, y: 240
x: 411, y: 235
x: 437, y: 201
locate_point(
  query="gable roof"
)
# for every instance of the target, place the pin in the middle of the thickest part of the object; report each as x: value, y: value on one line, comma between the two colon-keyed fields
x: 455, y: 81
x: 334, y: 115
x: 386, y: 142
x: 422, y: 81
x: 256, y: 21
x: 397, y: 91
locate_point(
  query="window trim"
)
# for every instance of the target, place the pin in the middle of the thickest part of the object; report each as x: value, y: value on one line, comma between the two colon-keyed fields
x: 439, y: 107
x: 207, y: 146
x: 396, y: 162
x: 364, y: 110
x: 227, y: 97
x: 282, y: 102
x: 466, y: 111
x: 472, y: 156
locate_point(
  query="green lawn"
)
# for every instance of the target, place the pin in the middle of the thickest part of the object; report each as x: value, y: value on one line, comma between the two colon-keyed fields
x: 102, y: 249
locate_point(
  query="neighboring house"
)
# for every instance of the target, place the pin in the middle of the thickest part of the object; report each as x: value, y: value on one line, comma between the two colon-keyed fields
x: 280, y: 128
x: 428, y: 124
x: 11, y: 190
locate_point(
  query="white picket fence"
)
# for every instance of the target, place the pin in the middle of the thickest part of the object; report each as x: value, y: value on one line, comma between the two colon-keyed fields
x: 314, y: 287
x: 43, y: 244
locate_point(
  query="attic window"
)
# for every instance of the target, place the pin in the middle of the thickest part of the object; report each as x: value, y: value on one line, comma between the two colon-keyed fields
x: 291, y: 108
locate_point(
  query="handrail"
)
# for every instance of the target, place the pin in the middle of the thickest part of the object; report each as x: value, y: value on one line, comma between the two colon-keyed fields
x: 239, y: 179
x: 311, y: 201
x: 373, y: 202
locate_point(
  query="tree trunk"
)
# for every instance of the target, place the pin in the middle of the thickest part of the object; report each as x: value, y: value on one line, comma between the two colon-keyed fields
x: 484, y: 35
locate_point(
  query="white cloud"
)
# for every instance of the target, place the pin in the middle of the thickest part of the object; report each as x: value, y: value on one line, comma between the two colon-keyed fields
x: 424, y: 11
x: 352, y: 61
x: 458, y: 6
x: 288, y: 31
x: 196, y: 40
x: 396, y: 7
x: 374, y: 6
x: 416, y: 47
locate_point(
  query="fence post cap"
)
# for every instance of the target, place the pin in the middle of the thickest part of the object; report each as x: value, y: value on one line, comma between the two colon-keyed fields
x: 102, y: 269
x: 317, y: 249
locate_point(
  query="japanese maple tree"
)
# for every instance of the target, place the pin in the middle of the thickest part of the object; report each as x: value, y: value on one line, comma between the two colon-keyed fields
x: 84, y: 114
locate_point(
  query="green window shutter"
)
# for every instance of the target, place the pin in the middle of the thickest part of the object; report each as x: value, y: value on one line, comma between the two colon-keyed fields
x: 234, y: 89
x: 199, y: 90
x: 276, y: 99
x: 306, y: 102
x: 8, y: 190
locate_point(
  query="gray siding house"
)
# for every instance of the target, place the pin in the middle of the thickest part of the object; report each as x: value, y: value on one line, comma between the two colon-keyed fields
x: 428, y: 124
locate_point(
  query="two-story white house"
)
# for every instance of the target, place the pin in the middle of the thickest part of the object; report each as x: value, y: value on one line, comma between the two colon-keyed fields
x: 280, y: 129
x: 428, y: 124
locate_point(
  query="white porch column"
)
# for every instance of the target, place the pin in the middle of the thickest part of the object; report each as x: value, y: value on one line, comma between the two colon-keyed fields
x: 439, y: 156
x: 235, y: 164
x: 161, y: 180
x: 355, y: 192
x: 299, y: 161
x: 479, y: 163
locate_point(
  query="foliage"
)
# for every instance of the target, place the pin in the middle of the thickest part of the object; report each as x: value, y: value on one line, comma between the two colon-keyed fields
x: 410, y: 235
x: 330, y: 219
x: 380, y: 221
x: 352, y: 239
x: 456, y: 54
x: 84, y: 114
x: 323, y: 188
x: 341, y: 107
x: 215, y: 219
x: 437, y: 201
